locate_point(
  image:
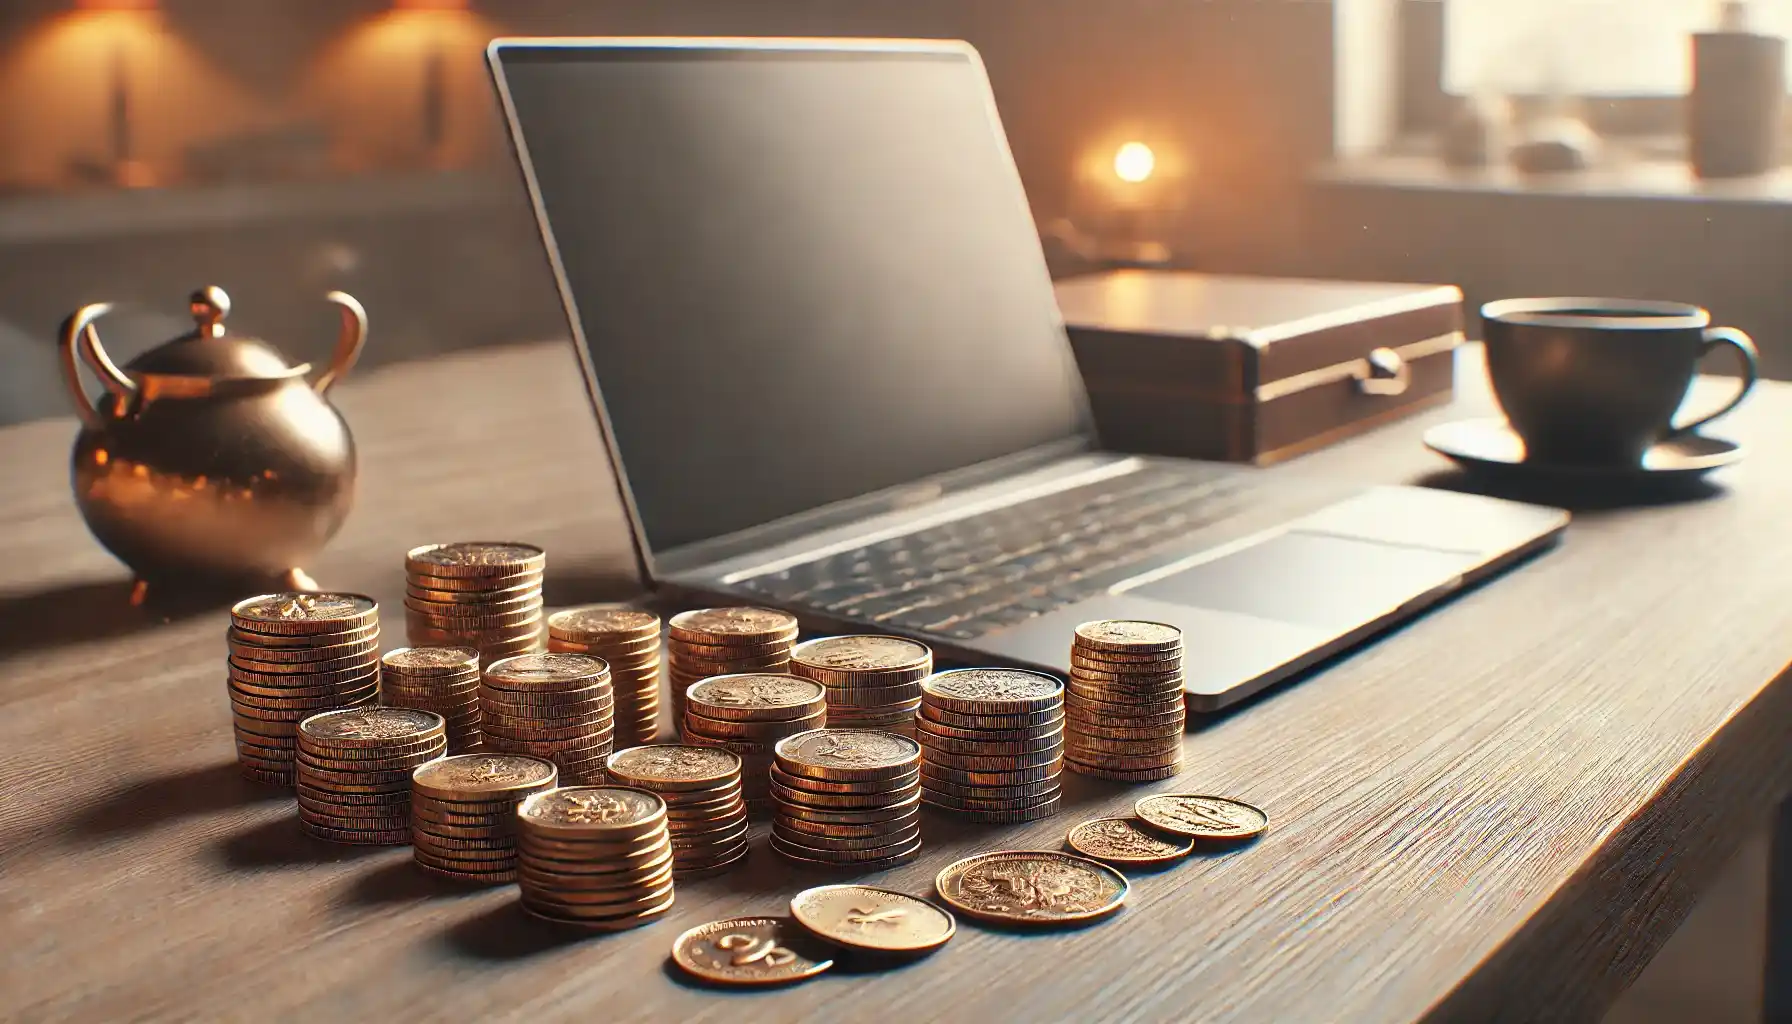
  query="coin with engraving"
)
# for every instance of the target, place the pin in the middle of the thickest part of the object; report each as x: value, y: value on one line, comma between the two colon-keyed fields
x: 861, y: 917
x: 748, y: 951
x: 847, y: 754
x: 1032, y: 887
x: 370, y: 726
x: 477, y: 777
x: 606, y: 621
x: 757, y: 697
x: 674, y: 767
x: 856, y: 661
x: 726, y: 626
x: 1128, y: 636
x: 475, y: 558
x: 526, y: 671
x: 1126, y: 841
x: 593, y: 810
x: 993, y: 691
x: 1202, y: 817
x: 296, y: 613
x: 431, y: 661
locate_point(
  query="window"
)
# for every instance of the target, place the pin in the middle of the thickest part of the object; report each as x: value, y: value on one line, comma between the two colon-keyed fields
x: 1583, y: 47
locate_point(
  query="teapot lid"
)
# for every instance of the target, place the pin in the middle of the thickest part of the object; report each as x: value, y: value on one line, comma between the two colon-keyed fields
x: 210, y: 351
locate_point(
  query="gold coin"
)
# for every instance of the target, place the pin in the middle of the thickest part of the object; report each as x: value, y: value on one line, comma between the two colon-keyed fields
x: 756, y: 697
x: 317, y: 644
x: 848, y: 754
x: 475, y: 559
x: 748, y: 951
x: 291, y: 614
x: 588, y: 623
x: 360, y: 663
x: 854, y: 660
x: 907, y: 805
x: 1032, y: 887
x: 371, y: 727
x: 674, y: 767
x: 940, y: 716
x: 482, y: 776
x: 876, y: 920
x: 859, y: 861
x: 1202, y: 817
x: 1128, y: 636
x: 726, y: 626
x: 1116, y: 661
x: 808, y: 785
x: 1126, y: 841
x: 595, y: 811
x: 1011, y: 817
x: 728, y: 653
x: 610, y: 924
x: 993, y: 691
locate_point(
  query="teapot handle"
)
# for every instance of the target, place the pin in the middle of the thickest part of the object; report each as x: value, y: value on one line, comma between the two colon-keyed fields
x: 348, y: 343
x: 79, y: 340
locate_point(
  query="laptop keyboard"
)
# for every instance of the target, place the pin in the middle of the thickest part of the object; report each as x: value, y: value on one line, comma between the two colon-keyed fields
x: 967, y: 577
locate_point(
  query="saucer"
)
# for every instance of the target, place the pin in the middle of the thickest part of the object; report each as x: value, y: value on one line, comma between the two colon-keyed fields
x: 1490, y: 446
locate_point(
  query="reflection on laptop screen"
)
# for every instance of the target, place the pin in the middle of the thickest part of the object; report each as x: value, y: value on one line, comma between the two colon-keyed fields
x: 802, y: 276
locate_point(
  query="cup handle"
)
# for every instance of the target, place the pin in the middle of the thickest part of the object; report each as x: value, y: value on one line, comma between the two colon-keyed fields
x: 1715, y: 338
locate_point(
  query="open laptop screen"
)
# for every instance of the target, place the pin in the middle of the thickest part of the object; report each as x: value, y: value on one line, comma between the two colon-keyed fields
x: 802, y: 275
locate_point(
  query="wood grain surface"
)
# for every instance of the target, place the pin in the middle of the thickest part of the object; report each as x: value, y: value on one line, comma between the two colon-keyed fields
x: 1499, y: 812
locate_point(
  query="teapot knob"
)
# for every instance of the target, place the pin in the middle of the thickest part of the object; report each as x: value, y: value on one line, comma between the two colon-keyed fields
x: 209, y: 306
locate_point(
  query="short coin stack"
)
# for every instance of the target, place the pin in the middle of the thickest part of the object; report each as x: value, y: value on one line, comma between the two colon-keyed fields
x: 873, y: 682
x: 748, y: 714
x: 1125, y: 714
x: 994, y: 741
x: 847, y: 798
x: 594, y: 857
x: 628, y: 640
x: 354, y: 772
x: 704, y: 809
x: 553, y: 706
x: 479, y: 594
x: 463, y: 813
x: 291, y: 656
x: 440, y: 679
x: 725, y: 641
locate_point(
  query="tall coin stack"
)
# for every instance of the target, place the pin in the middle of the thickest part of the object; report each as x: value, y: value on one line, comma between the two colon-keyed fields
x: 725, y: 641
x: 628, y: 640
x: 293, y: 655
x: 994, y: 742
x: 594, y: 857
x: 847, y: 798
x: 704, y: 809
x: 553, y: 706
x: 747, y: 715
x: 873, y: 682
x: 477, y: 594
x: 354, y: 772
x: 440, y: 679
x: 1125, y: 709
x: 463, y: 813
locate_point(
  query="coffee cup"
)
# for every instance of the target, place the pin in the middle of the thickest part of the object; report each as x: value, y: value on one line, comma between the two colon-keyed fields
x: 1600, y: 381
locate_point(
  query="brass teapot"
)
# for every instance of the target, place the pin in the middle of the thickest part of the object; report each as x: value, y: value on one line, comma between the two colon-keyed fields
x: 209, y: 459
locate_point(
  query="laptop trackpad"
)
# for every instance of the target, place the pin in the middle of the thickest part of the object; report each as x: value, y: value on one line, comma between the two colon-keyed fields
x: 1334, y: 583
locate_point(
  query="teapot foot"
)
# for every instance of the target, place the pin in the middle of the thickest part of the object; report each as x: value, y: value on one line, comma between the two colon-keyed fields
x: 296, y: 579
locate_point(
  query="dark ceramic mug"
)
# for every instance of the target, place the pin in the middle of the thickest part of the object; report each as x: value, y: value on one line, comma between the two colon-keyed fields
x: 1598, y: 381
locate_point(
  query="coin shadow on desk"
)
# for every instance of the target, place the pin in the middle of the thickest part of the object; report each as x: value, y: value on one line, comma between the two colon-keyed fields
x: 401, y: 882
x: 279, y: 842
x: 84, y: 612
x: 146, y: 803
x: 503, y: 933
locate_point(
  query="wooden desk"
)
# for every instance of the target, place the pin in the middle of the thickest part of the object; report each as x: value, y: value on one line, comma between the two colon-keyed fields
x: 1501, y: 811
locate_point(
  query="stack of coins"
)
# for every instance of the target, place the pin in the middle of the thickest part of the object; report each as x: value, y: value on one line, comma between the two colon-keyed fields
x: 628, y: 640
x: 553, y: 706
x: 995, y: 743
x: 594, y: 857
x: 704, y: 809
x: 478, y: 594
x: 463, y: 813
x: 293, y: 655
x: 873, y: 682
x: 847, y: 798
x: 354, y: 772
x: 748, y: 714
x: 1124, y: 711
x: 440, y: 679
x: 725, y: 641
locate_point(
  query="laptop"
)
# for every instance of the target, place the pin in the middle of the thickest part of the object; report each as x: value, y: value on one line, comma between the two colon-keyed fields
x: 822, y: 346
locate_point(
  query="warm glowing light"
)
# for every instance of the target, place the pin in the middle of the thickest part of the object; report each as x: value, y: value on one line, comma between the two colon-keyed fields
x: 1134, y: 162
